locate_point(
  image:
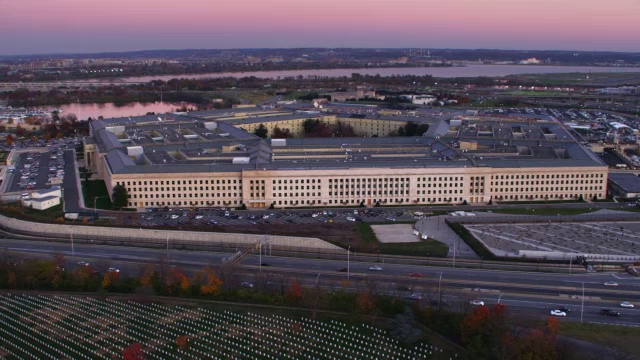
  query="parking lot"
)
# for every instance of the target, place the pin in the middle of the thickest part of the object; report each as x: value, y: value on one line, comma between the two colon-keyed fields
x: 203, y: 217
x: 612, y: 239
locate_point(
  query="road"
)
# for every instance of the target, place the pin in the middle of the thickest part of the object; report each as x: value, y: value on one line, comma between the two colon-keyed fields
x: 527, y: 294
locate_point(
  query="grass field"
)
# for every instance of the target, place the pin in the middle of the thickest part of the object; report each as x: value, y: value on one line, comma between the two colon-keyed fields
x: 623, y: 338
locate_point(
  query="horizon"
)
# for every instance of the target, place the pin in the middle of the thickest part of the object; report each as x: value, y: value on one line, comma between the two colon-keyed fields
x: 28, y: 28
x: 312, y: 48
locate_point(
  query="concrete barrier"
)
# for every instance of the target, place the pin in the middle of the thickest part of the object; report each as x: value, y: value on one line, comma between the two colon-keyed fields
x: 162, y: 236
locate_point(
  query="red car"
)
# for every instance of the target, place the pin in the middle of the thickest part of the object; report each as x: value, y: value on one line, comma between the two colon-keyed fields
x: 416, y: 275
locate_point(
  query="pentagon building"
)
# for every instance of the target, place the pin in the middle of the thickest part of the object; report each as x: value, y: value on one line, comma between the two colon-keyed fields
x: 212, y: 159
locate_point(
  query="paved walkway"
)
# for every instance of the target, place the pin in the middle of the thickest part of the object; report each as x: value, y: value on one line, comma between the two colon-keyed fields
x: 435, y: 227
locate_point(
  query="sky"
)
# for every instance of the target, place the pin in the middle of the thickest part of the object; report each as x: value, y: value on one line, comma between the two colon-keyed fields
x: 87, y: 26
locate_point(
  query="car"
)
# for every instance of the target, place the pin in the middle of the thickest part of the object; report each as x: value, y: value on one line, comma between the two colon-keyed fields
x: 610, y: 283
x: 375, y: 268
x: 557, y: 313
x: 626, y: 304
x: 415, y: 296
x: 246, y: 284
x: 419, y: 275
x: 83, y: 263
x: 391, y: 218
x: 198, y: 217
x: 563, y: 309
x: 343, y: 269
x: 113, y: 270
x: 476, y: 302
x: 264, y: 264
x: 351, y: 218
x: 609, y: 312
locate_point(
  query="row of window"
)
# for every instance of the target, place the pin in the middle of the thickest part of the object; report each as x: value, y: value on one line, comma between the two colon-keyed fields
x: 180, y: 182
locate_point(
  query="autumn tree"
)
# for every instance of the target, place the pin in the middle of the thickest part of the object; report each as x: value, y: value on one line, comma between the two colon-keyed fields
x: 9, y: 140
x: 365, y: 301
x: 182, y: 341
x: 206, y: 282
x: 294, y: 292
x: 176, y: 281
x: 132, y: 352
x: 109, y: 278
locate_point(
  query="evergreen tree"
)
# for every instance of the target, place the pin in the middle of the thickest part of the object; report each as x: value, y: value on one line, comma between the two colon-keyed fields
x: 120, y: 197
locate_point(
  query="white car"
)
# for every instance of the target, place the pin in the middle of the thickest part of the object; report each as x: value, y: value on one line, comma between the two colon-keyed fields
x: 246, y: 284
x: 626, y: 305
x: 557, y: 313
x: 198, y: 217
x: 83, y: 263
x: 477, y: 302
x: 351, y: 218
x: 375, y: 268
x: 113, y: 270
x: 610, y: 283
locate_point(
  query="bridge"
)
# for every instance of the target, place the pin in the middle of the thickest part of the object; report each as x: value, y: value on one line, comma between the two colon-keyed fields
x: 71, y: 85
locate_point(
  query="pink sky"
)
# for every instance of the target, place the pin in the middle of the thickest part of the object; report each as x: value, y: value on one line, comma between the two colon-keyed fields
x: 45, y: 26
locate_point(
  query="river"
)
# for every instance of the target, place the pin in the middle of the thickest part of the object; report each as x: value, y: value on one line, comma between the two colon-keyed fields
x: 473, y: 70
x: 111, y: 110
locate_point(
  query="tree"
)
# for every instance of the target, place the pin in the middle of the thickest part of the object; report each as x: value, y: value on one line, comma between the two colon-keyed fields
x: 281, y: 133
x: 365, y: 301
x: 176, y: 281
x: 9, y: 140
x: 132, y: 352
x: 294, y: 292
x: 206, y: 281
x: 120, y: 196
x: 261, y: 131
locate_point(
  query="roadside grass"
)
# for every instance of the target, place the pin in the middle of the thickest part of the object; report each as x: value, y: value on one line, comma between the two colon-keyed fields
x: 543, y: 211
x: 623, y: 338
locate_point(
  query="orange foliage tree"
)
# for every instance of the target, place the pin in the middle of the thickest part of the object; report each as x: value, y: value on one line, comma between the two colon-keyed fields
x: 207, y: 281
x: 365, y: 301
x: 182, y: 341
x: 294, y: 292
x: 176, y: 281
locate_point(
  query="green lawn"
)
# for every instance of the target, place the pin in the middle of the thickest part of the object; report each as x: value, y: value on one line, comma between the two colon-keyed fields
x: 95, y: 194
x: 623, y: 338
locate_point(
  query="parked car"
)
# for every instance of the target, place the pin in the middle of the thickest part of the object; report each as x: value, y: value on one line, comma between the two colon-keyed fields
x: 557, y: 313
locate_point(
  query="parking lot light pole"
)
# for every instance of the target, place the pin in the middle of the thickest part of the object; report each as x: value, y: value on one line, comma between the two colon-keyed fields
x: 439, y: 293
x: 348, y: 264
x: 582, y: 309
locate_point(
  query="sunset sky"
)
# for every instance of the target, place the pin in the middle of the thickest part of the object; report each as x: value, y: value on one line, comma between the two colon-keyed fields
x: 71, y: 26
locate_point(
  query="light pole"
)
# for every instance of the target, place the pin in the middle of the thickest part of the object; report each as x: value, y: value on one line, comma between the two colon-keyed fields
x: 95, y: 202
x: 73, y: 251
x: 499, y: 297
x: 582, y: 308
x: 317, y: 277
x: 348, y: 264
x: 439, y: 293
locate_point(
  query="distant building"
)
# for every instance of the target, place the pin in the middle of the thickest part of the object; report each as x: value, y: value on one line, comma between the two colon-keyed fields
x: 530, y: 61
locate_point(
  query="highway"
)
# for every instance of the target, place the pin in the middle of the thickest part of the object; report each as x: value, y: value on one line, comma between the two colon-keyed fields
x: 529, y: 294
